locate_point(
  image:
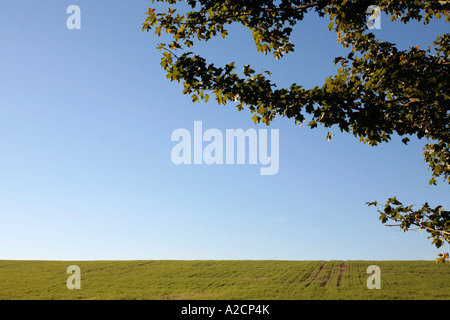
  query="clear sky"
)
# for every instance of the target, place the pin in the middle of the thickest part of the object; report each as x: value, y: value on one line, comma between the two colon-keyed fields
x: 86, y: 118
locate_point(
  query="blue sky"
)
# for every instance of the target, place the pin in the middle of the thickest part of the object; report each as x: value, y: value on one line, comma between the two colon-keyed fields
x: 86, y: 118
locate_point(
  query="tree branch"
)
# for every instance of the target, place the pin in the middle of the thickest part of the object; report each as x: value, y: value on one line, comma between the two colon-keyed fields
x: 305, y: 6
x: 410, y: 100
x: 421, y: 226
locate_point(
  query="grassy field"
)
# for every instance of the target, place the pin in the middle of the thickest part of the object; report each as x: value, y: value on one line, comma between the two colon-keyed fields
x: 224, y: 280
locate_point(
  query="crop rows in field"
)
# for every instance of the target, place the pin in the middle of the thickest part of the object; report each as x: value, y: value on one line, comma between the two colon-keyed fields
x: 325, y: 272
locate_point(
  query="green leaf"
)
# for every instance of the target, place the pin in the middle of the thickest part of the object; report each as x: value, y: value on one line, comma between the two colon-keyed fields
x: 248, y: 71
x: 256, y: 119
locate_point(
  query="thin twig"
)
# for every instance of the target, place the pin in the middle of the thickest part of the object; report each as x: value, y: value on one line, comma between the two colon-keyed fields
x: 305, y: 6
x: 421, y: 226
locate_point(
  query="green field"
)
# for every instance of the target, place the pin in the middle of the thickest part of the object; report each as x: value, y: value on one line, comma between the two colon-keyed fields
x: 224, y: 280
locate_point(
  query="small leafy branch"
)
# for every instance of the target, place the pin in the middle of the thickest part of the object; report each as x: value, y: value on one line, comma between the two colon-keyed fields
x: 436, y: 221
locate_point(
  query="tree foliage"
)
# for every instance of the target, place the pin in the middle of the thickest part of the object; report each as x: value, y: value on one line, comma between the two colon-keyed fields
x: 442, y: 257
x: 378, y: 91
